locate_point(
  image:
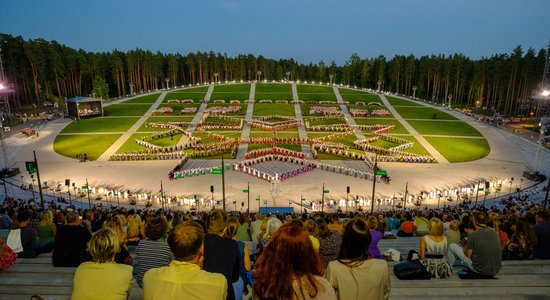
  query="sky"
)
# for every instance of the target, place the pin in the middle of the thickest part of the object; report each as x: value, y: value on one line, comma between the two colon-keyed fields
x: 306, y: 30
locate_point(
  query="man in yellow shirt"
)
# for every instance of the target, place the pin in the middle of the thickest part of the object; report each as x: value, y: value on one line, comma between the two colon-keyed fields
x: 184, y: 277
x: 336, y: 225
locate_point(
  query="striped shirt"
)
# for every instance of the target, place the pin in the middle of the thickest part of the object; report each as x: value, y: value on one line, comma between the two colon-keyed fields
x: 152, y: 254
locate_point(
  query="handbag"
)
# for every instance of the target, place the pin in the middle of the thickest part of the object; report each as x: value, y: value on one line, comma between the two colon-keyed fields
x: 7, y: 256
x: 14, y: 240
x: 411, y: 270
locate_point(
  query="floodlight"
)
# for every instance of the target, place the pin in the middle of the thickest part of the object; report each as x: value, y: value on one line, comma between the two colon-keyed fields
x: 545, y: 93
x: 2, y: 86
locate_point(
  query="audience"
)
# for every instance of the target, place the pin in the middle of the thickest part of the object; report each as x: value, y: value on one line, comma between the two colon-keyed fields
x: 329, y: 242
x: 421, y: 224
x: 70, y: 243
x: 289, y: 268
x: 255, y: 227
x: 453, y: 233
x: 542, y: 230
x: 153, y: 251
x: 29, y: 237
x: 433, y: 248
x: 523, y: 242
x: 110, y: 280
x: 184, y: 277
x: 335, y: 225
x: 311, y: 228
x: 406, y: 229
x: 46, y: 232
x: 5, y: 220
x: 376, y: 236
x: 116, y: 223
x: 355, y: 275
x: 244, y: 258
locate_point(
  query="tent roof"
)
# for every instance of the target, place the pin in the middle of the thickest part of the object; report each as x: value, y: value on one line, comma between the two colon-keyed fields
x: 81, y: 99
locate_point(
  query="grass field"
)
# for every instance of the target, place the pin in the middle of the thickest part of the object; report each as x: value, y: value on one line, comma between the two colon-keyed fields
x: 457, y: 128
x: 273, y: 88
x: 100, y: 125
x: 273, y: 96
x: 266, y: 109
x: 130, y: 144
x: 400, y: 102
x: 145, y: 99
x: 460, y: 150
x: 417, y: 148
x: 231, y: 92
x: 126, y: 110
x: 163, y: 119
x: 356, y: 96
x: 314, y: 92
x: 423, y: 112
x: 91, y: 144
x: 197, y: 93
x: 369, y: 121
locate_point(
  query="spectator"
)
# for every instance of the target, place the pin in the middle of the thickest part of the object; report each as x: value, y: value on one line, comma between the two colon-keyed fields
x: 220, y: 253
x: 244, y: 229
x: 102, y: 276
x: 123, y: 255
x: 355, y: 275
x: 29, y: 237
x: 5, y: 220
x: 70, y: 243
x: 183, y: 278
x: 135, y: 228
x: 153, y: 251
x: 255, y: 227
x: 542, y: 230
x: 335, y: 225
x: 433, y: 248
x: 453, y: 235
x: 483, y: 254
x: 46, y: 233
x: 381, y: 226
x: 272, y: 225
x: 87, y: 221
x: 421, y: 224
x: 406, y: 229
x: 289, y: 268
x: 376, y: 236
x: 329, y: 243
x: 244, y: 258
x: 311, y: 228
x: 523, y: 242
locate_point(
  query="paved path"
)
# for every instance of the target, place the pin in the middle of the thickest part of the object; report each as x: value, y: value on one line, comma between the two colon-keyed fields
x: 298, y: 113
x: 122, y: 139
x: 245, y: 134
x: 358, y: 133
x: 198, y: 115
x: 433, y: 152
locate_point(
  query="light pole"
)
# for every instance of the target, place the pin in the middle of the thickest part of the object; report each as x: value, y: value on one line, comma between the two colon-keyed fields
x: 347, y: 198
x: 414, y: 91
x: 32, y: 187
x: 259, y: 73
x: 374, y: 182
x: 167, y: 81
x: 131, y: 88
x: 215, y: 78
x: 450, y: 97
x: 330, y: 76
x: 438, y: 199
x: 379, y: 83
x: 301, y: 204
x: 287, y: 76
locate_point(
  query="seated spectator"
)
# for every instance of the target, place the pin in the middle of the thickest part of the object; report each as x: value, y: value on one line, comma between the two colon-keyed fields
x: 135, y: 228
x: 272, y: 225
x: 102, y: 276
x: 244, y: 258
x: 70, y: 243
x: 116, y: 223
x: 381, y: 227
x: 289, y: 268
x: 433, y: 248
x: 452, y: 234
x: 542, y: 230
x: 183, y: 278
x: 29, y: 237
x: 483, y: 254
x: 220, y: 253
x: 153, y: 251
x: 255, y: 226
x: 421, y: 224
x: 46, y: 233
x: 406, y: 229
x: 329, y: 243
x: 355, y: 275
x: 523, y: 242
x: 244, y: 229
x: 5, y: 220
x: 311, y: 228
x: 335, y: 225
x: 376, y: 236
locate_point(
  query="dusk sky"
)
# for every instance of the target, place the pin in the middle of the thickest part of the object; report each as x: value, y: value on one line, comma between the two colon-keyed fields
x: 307, y: 30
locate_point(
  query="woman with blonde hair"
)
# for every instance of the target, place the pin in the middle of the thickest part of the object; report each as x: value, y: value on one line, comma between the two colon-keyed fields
x: 311, y: 228
x: 453, y: 233
x: 433, y: 247
x: 46, y: 233
x: 109, y: 280
x: 117, y: 225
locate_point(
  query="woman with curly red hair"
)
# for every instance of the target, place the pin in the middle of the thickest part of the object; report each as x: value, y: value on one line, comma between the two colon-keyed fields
x: 289, y: 268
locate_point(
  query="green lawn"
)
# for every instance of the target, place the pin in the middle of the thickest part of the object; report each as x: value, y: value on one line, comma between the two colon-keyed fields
x: 269, y: 88
x: 92, y: 144
x: 460, y: 149
x: 232, y: 88
x: 126, y: 109
x: 163, y: 119
x: 227, y: 96
x: 369, y: 121
x: 453, y: 128
x: 305, y: 108
x: 354, y: 97
x: 273, y: 96
x: 427, y: 113
x: 400, y: 102
x: 145, y: 99
x: 314, y: 92
x: 130, y: 144
x: 191, y: 93
x: 100, y: 125
x: 417, y: 148
x: 266, y: 109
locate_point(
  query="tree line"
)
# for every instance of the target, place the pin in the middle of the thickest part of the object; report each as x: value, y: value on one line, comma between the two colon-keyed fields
x: 43, y: 70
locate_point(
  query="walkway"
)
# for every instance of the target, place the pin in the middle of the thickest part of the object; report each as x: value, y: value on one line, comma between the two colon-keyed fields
x: 433, y: 152
x: 245, y: 134
x: 298, y: 113
x: 123, y: 138
x: 198, y: 115
x: 358, y: 133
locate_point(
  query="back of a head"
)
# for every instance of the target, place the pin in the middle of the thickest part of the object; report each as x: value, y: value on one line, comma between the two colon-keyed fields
x: 71, y: 218
x: 454, y: 225
x: 23, y: 216
x: 335, y: 218
x: 311, y: 227
x: 272, y: 225
x: 373, y: 222
x: 543, y: 215
x: 323, y: 228
x: 481, y: 218
x: 104, y: 245
x: 232, y: 227
x: 155, y: 227
x: 217, y: 222
x: 356, y: 241
x: 435, y: 227
x: 186, y: 240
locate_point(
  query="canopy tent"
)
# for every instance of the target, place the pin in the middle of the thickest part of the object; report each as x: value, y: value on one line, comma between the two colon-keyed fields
x: 82, y: 107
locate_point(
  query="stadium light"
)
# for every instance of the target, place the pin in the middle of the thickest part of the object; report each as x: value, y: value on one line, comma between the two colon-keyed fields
x: 2, y: 86
x: 545, y: 93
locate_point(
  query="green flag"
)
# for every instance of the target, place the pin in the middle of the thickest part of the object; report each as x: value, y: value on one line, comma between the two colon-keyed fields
x: 245, y: 191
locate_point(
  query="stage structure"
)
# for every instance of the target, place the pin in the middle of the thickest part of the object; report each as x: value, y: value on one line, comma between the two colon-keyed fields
x: 84, y: 107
